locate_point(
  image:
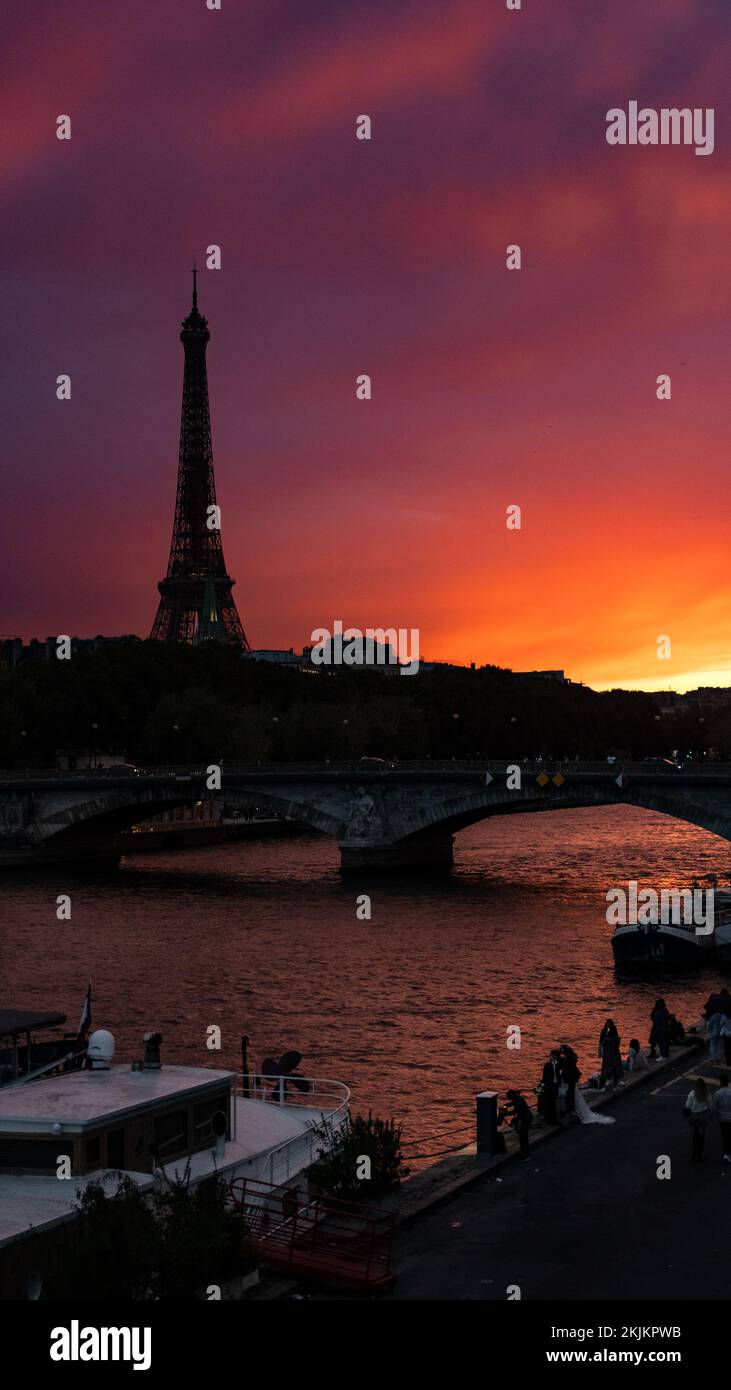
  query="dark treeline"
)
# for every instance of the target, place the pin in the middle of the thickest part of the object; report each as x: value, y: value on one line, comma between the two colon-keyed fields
x: 158, y: 704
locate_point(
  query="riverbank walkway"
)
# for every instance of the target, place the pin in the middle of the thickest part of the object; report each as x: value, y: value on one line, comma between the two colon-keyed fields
x: 586, y: 1217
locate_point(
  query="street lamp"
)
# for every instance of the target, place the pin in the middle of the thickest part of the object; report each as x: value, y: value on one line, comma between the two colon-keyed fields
x: 94, y: 730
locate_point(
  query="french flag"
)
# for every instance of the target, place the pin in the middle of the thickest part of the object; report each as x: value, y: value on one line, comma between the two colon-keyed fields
x: 85, y: 1020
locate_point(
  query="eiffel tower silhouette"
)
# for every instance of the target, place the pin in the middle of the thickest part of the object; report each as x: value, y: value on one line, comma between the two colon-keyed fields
x: 196, y: 563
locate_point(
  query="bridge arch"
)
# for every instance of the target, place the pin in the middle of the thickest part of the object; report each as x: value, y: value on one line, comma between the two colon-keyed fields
x: 459, y: 814
x: 69, y: 822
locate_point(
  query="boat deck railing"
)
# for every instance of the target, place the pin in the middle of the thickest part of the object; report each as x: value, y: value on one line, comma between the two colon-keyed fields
x: 328, y: 1100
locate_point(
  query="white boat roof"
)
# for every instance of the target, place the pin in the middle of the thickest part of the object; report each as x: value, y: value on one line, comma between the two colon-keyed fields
x: 30, y: 1201
x: 78, y: 1099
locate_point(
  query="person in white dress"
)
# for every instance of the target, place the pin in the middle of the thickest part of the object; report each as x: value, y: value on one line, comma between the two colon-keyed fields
x: 586, y: 1116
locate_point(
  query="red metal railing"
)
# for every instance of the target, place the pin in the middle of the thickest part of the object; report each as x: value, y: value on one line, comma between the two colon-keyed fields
x: 321, y: 1238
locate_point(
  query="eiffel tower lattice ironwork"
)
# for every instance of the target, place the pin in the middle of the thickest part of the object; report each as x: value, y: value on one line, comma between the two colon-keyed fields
x: 196, y: 553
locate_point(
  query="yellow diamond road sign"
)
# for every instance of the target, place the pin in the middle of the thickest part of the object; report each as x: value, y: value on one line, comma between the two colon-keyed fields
x: 559, y: 780
x: 542, y: 778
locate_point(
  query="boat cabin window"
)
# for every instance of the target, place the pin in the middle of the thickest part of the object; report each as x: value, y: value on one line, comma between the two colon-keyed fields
x: 203, y: 1114
x: 171, y: 1133
x: 93, y: 1151
x: 115, y: 1148
x: 31, y: 1154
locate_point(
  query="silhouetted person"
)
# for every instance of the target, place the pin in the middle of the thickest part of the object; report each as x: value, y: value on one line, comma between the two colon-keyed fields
x: 570, y: 1074
x: 521, y: 1119
x: 676, y: 1030
x: 721, y: 1107
x: 551, y: 1083
x: 714, y: 1035
x: 660, y: 1030
x: 636, y: 1059
x: 610, y: 1054
x: 718, y: 1002
x: 698, y: 1111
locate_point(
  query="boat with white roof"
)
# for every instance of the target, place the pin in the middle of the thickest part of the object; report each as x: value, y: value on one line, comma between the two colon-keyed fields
x: 152, y: 1122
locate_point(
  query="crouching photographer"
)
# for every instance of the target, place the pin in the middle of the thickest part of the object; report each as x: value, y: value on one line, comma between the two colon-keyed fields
x: 520, y: 1117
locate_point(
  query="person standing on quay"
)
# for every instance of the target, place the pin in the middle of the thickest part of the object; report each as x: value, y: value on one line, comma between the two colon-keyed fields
x: 570, y: 1074
x: 610, y: 1054
x: 721, y: 1106
x: 698, y: 1111
x: 551, y: 1082
x: 718, y: 1002
x: 660, y: 1031
x: 521, y: 1120
x: 714, y: 1035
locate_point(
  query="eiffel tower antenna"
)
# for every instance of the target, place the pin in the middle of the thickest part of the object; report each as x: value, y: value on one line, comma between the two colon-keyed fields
x: 196, y: 562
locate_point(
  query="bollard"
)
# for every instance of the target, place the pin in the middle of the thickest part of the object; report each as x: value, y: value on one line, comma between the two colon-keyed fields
x: 489, y: 1140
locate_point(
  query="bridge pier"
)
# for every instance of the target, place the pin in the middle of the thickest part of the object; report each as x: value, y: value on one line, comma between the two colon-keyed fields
x: 433, y: 853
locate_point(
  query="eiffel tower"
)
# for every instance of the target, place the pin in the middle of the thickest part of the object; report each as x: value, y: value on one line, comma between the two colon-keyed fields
x: 196, y: 561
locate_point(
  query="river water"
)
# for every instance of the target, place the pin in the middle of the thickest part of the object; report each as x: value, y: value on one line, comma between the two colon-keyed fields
x: 411, y: 1008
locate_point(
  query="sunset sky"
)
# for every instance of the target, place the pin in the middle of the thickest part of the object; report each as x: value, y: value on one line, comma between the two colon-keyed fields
x: 341, y: 257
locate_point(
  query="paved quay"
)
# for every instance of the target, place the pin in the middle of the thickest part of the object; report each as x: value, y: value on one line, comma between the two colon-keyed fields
x: 586, y: 1217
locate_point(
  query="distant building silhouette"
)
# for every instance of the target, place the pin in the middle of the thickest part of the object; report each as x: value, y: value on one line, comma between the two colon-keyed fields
x: 14, y: 651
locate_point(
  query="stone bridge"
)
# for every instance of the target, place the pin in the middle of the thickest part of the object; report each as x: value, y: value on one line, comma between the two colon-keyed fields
x: 380, y: 815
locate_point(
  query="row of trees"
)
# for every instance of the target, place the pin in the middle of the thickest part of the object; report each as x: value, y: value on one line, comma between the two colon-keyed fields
x: 160, y: 704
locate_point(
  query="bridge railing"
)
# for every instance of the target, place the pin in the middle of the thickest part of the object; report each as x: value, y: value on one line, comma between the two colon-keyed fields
x: 368, y: 768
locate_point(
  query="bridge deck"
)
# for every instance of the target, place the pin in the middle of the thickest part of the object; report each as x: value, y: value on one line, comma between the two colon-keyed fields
x: 457, y: 771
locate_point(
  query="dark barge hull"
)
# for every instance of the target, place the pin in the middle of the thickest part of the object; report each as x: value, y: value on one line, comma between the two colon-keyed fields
x: 671, y: 948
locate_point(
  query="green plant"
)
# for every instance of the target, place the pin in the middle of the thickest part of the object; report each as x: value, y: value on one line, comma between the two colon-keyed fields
x: 165, y: 1246
x: 340, y: 1159
x: 110, y: 1251
x: 199, y: 1238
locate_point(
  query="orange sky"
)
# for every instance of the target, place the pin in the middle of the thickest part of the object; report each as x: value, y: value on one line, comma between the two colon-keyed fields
x: 490, y: 388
